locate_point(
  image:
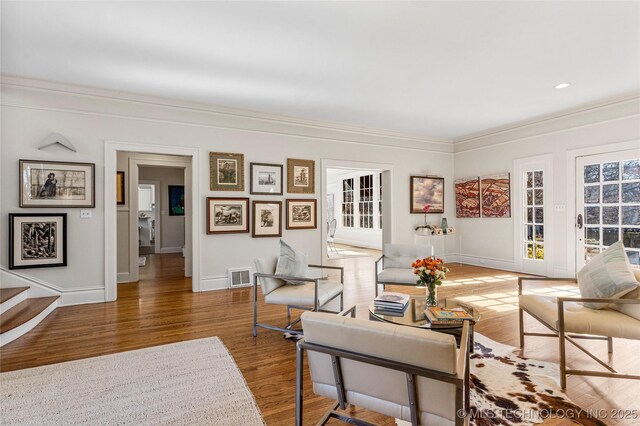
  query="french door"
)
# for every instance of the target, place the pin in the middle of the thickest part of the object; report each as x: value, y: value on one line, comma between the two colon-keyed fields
x: 608, y: 204
x: 532, y: 182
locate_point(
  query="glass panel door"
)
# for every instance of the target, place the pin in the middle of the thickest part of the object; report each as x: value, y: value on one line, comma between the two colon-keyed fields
x: 608, y: 204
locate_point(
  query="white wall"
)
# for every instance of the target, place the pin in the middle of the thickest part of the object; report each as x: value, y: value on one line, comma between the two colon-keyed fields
x: 32, y: 109
x: 491, y: 241
x: 171, y: 232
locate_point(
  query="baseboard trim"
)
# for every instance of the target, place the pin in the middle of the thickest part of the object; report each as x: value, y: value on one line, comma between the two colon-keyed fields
x: 164, y: 250
x: 214, y: 283
x: 124, y: 277
x: 487, y: 262
x: 359, y: 244
x: 82, y: 297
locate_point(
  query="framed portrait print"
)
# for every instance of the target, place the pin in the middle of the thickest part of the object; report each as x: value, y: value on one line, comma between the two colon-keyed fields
x: 301, y: 214
x: 265, y: 179
x: 37, y: 240
x: 301, y: 176
x: 176, y: 200
x: 267, y: 219
x: 227, y: 215
x: 56, y: 184
x: 226, y: 171
x: 120, y: 188
x: 427, y: 191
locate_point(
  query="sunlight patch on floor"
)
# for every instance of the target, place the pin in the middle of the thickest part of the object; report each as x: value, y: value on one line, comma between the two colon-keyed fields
x: 505, y: 301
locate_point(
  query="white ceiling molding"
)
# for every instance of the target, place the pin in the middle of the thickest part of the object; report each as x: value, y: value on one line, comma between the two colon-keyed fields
x: 586, y: 115
x: 32, y: 93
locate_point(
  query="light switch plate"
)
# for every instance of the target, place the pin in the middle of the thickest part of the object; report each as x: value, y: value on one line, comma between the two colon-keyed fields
x: 86, y: 214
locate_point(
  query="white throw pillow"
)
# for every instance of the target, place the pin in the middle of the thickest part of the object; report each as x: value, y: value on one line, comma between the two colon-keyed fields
x: 607, y: 276
x: 634, y: 309
x: 292, y: 263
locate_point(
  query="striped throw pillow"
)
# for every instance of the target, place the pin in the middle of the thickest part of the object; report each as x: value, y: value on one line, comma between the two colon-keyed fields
x: 607, y: 276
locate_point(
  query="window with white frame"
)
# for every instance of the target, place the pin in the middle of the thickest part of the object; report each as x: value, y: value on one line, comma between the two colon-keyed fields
x: 347, y: 203
x: 533, y: 200
x: 365, y: 202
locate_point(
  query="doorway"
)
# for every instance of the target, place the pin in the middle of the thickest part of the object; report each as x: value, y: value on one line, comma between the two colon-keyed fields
x: 607, y: 204
x: 186, y: 159
x: 356, y: 208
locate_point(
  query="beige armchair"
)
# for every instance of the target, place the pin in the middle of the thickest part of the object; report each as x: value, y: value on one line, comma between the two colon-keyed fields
x: 394, y: 266
x: 565, y: 315
x: 403, y: 372
x: 313, y: 295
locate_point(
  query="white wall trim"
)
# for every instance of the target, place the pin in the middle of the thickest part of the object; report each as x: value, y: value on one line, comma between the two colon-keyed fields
x: 124, y: 277
x: 171, y: 250
x: 358, y: 243
x: 487, y: 262
x: 609, y: 110
x: 192, y: 199
x: 344, y: 133
x: 220, y: 282
x: 572, y: 156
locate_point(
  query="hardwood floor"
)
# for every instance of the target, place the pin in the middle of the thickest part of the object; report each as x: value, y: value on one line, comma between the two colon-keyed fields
x: 161, y: 309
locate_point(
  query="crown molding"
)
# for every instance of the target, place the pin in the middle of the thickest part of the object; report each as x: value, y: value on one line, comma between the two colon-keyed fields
x: 605, y: 110
x: 236, y: 118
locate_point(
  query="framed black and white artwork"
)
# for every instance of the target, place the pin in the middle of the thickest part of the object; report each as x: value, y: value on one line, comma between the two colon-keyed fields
x: 302, y: 214
x: 227, y: 215
x: 226, y: 171
x: 37, y: 240
x: 267, y: 219
x: 301, y: 175
x: 265, y: 179
x: 57, y: 184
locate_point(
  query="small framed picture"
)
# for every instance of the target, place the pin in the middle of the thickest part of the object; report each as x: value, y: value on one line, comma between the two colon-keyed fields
x: 265, y: 179
x: 37, y: 240
x: 227, y: 215
x: 267, y: 219
x: 301, y: 176
x: 226, y: 171
x: 120, y: 188
x: 302, y: 214
x: 427, y: 191
x: 176, y: 200
x: 56, y: 184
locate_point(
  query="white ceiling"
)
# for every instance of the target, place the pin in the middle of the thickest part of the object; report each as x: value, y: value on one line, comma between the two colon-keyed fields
x: 428, y: 68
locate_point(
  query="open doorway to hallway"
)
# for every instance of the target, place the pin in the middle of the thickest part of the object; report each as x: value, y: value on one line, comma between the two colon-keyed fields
x: 154, y: 221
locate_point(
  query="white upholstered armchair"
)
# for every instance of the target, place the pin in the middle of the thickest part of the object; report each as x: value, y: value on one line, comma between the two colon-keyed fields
x: 394, y: 266
x: 410, y: 374
x: 312, y: 295
x: 569, y: 320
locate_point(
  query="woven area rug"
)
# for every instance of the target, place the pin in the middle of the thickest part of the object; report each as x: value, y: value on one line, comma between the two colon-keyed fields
x: 507, y: 389
x: 195, y: 382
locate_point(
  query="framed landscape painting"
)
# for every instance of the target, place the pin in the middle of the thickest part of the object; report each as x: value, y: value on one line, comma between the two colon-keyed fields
x: 227, y: 215
x: 302, y: 214
x: 265, y: 179
x: 226, y: 171
x: 301, y: 176
x: 467, y: 197
x: 427, y: 191
x: 496, y: 195
x: 37, y: 240
x: 56, y: 184
x: 267, y: 219
x: 176, y: 200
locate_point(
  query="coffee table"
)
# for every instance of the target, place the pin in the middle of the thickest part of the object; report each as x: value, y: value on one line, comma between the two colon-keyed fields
x: 414, y: 316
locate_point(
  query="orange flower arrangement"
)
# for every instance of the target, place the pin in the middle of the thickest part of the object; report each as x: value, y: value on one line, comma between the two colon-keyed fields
x: 430, y: 271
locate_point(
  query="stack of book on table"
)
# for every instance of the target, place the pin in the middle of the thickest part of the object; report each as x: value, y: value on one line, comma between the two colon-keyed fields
x: 446, y: 317
x: 389, y: 303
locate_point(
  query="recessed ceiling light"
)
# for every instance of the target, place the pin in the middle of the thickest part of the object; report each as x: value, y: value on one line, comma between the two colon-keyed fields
x: 563, y: 85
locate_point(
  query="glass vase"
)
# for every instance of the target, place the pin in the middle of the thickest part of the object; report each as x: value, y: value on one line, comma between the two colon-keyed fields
x: 432, y: 294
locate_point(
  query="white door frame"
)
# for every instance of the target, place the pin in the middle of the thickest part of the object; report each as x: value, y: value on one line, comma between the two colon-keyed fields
x: 388, y: 228
x: 541, y: 162
x: 158, y: 209
x: 192, y: 197
x: 572, y: 158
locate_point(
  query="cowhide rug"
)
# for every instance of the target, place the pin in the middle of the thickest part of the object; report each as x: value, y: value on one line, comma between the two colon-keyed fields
x: 507, y: 389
